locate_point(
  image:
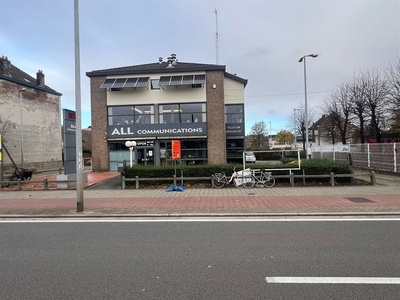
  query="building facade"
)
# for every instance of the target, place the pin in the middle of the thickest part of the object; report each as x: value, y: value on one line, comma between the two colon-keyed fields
x: 200, y: 105
x: 30, y: 119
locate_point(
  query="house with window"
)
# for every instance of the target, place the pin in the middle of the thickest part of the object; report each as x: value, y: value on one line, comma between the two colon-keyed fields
x: 30, y: 122
x: 201, y: 105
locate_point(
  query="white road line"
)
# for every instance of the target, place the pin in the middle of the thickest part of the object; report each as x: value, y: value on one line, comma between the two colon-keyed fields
x: 193, y: 219
x: 335, y: 280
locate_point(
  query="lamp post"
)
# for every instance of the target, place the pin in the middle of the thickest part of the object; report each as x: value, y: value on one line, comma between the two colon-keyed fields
x: 131, y: 145
x: 303, y: 58
x: 21, y: 126
x: 294, y: 124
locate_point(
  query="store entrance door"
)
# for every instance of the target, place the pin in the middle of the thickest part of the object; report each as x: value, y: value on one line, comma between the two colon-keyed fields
x: 145, y: 156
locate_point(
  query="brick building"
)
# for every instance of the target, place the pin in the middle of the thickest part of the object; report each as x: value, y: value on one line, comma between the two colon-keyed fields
x: 29, y: 119
x: 201, y: 105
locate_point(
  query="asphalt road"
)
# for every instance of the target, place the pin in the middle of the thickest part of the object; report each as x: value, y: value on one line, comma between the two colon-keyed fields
x: 197, y: 260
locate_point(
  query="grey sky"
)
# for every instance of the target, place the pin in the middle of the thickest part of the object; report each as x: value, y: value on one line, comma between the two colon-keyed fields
x: 259, y: 40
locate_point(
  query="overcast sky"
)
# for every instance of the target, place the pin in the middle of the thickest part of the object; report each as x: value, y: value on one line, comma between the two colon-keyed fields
x: 259, y: 40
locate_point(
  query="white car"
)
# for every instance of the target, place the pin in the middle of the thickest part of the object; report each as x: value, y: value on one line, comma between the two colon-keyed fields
x: 250, y: 157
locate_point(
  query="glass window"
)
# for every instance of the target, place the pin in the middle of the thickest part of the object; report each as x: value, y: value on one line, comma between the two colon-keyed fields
x: 183, y: 113
x: 234, y: 114
x: 124, y: 115
x: 155, y: 84
x: 193, y: 151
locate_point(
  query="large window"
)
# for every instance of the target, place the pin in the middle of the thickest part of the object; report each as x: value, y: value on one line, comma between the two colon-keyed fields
x: 182, y: 113
x: 125, y: 115
x: 234, y: 113
x: 193, y: 151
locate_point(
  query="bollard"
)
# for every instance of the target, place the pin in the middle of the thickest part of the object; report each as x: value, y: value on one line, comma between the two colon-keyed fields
x: 19, y: 185
x: 292, y: 179
x: 373, y: 179
x: 332, y: 179
x: 45, y: 184
x: 137, y: 182
x: 123, y: 182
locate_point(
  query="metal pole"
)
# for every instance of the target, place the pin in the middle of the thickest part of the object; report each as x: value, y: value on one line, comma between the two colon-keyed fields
x: 270, y: 135
x: 21, y: 127
x: 79, y: 159
x: 305, y: 105
x: 130, y: 155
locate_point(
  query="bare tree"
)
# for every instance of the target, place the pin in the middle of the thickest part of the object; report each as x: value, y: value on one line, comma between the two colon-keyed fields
x: 258, y: 136
x: 392, y: 74
x: 338, y: 107
x: 300, y: 122
x: 375, y: 92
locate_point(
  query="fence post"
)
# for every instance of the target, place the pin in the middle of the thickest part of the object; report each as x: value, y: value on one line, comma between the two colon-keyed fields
x: 181, y: 177
x: 368, y: 156
x: 394, y: 157
x: 292, y: 179
x: 19, y: 185
x: 123, y: 182
x: 174, y: 180
x: 137, y: 182
x: 304, y: 177
x: 45, y: 183
x: 332, y: 179
x: 373, y: 179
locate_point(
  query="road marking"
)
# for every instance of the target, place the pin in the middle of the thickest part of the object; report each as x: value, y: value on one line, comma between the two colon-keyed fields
x: 173, y: 219
x: 335, y: 280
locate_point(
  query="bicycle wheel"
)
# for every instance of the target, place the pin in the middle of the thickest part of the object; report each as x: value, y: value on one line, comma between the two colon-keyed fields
x: 218, y: 180
x: 248, y: 181
x: 268, y: 180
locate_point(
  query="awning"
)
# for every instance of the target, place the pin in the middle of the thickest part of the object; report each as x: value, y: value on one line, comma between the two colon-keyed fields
x: 182, y: 80
x: 113, y: 83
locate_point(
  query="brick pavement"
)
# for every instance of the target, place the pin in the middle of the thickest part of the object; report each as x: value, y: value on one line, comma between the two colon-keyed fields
x: 383, y: 198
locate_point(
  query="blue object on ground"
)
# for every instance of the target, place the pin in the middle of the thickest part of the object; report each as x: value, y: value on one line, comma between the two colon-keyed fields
x: 178, y: 188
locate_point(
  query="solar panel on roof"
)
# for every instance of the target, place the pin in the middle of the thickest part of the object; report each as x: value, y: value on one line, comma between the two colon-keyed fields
x: 107, y: 83
x: 119, y: 83
x: 199, y: 79
x: 131, y: 82
x: 142, y: 81
x: 164, y: 80
x: 176, y: 80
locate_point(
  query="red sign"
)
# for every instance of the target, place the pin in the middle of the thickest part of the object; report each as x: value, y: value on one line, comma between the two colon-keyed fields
x: 176, y: 149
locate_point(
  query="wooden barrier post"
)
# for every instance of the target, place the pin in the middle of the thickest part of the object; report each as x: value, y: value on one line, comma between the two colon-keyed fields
x: 19, y: 185
x: 332, y: 179
x: 292, y: 179
x: 373, y: 179
x: 45, y: 184
x: 137, y: 182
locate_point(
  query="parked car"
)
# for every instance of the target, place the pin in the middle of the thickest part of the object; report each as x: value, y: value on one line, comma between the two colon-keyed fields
x: 250, y: 157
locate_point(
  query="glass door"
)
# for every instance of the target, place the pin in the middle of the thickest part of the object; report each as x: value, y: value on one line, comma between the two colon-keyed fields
x: 145, y: 156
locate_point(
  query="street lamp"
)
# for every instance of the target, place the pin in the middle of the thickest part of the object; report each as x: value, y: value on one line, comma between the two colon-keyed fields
x: 303, y: 58
x: 131, y: 145
x: 21, y: 126
x: 294, y: 123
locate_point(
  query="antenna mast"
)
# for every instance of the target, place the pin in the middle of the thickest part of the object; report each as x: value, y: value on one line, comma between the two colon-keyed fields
x: 216, y: 38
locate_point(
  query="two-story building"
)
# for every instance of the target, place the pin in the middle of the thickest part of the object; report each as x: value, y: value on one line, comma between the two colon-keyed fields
x: 30, y: 122
x: 201, y: 105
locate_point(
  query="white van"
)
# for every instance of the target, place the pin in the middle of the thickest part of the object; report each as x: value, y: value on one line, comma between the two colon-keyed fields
x: 250, y: 157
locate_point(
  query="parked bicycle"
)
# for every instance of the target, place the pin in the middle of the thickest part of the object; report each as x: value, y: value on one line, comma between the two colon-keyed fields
x: 240, y: 179
x: 261, y: 178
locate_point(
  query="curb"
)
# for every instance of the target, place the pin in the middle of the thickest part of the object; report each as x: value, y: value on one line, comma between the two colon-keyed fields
x: 200, y: 215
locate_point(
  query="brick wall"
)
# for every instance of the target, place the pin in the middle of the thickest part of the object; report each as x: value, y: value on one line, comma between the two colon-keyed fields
x: 216, y: 117
x: 41, y: 125
x: 100, y: 160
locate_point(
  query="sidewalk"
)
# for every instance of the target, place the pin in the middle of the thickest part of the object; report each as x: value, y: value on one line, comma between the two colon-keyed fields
x: 382, y: 199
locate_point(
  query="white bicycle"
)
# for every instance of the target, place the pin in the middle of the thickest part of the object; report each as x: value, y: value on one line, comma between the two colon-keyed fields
x: 240, y: 179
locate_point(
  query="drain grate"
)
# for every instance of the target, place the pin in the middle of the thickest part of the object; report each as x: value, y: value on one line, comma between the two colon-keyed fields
x: 359, y: 199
